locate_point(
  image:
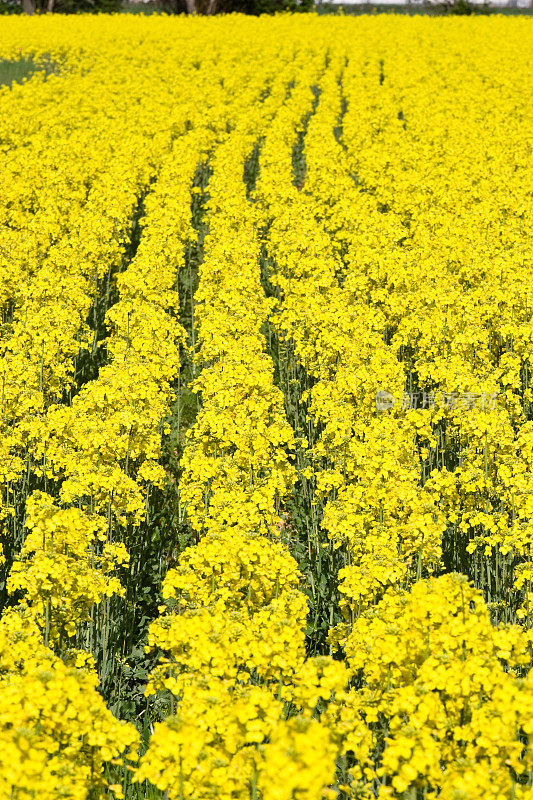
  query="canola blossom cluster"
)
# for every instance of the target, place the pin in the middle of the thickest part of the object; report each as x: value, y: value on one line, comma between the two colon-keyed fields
x: 232, y: 567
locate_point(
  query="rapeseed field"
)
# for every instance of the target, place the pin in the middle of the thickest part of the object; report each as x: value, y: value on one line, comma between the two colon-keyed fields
x: 266, y: 451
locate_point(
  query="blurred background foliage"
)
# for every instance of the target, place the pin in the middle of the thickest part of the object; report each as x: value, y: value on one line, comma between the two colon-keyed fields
x: 205, y: 7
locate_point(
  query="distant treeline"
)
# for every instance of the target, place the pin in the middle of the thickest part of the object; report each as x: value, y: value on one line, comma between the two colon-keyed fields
x: 165, y: 6
x: 428, y: 7
x: 252, y: 7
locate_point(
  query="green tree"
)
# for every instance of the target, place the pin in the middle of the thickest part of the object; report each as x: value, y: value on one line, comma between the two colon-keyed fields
x: 69, y: 6
x: 228, y: 6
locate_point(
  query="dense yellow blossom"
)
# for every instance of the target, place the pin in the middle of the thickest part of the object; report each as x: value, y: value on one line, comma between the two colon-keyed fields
x: 355, y: 197
x: 447, y: 682
x: 66, y: 565
x: 55, y: 732
x: 301, y: 752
